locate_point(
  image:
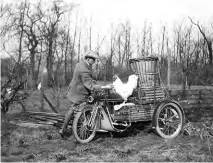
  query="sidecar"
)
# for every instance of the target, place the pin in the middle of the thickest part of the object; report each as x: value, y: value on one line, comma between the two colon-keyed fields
x: 151, y: 101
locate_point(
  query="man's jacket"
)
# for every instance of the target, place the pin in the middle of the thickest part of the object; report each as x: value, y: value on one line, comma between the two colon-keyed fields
x: 82, y: 83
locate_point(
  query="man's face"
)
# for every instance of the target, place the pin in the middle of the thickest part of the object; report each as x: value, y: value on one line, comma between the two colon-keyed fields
x: 91, y: 61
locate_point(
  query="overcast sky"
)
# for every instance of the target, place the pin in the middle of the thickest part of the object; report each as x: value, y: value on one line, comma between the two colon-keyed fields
x: 157, y: 12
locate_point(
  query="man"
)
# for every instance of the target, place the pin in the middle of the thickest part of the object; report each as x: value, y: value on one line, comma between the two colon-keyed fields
x: 81, y: 86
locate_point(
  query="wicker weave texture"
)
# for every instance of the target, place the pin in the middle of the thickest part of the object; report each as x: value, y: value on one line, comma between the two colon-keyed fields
x: 149, y: 87
x: 135, y: 113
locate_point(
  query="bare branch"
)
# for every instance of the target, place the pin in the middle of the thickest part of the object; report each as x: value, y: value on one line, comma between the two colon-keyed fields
x: 201, y: 31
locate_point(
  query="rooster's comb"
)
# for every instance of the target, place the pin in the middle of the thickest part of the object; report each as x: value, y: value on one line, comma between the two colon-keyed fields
x: 115, y: 76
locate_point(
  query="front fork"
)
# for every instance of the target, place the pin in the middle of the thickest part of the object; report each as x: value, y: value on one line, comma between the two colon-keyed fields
x: 92, y: 119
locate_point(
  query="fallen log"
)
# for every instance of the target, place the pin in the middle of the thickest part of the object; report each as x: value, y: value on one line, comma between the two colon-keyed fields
x: 30, y: 112
x: 50, y: 104
x: 45, y: 119
x: 50, y: 118
x: 46, y: 114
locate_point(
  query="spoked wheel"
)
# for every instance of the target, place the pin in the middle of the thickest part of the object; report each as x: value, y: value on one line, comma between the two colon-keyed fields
x: 81, y: 129
x: 169, y: 120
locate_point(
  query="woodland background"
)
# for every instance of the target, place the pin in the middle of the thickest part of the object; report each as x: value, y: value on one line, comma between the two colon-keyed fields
x: 37, y: 39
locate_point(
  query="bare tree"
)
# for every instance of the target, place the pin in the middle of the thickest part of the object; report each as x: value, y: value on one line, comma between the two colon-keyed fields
x: 65, y: 54
x: 80, y: 28
x: 99, y: 62
x: 50, y: 26
x: 162, y: 46
x: 20, y: 25
x: 72, y: 54
x: 144, y: 41
x: 123, y: 44
x: 11, y: 89
x: 207, y: 39
x: 34, y: 36
x: 143, y: 49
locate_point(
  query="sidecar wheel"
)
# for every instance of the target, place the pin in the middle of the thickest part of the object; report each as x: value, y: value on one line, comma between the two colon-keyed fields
x: 169, y: 120
x: 82, y: 132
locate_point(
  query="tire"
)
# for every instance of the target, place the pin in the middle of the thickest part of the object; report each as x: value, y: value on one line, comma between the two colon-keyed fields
x: 81, y: 131
x: 169, y: 120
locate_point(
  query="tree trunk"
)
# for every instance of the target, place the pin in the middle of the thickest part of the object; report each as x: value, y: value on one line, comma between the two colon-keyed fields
x: 42, y: 84
x: 209, y: 43
x: 32, y: 63
x: 169, y: 69
x: 79, y: 46
x: 65, y: 69
x: 50, y: 63
x: 21, y: 35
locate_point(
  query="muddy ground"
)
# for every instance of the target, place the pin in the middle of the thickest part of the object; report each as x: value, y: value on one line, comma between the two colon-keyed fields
x: 42, y: 143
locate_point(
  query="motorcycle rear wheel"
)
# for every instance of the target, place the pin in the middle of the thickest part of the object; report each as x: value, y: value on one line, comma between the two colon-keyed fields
x: 82, y: 132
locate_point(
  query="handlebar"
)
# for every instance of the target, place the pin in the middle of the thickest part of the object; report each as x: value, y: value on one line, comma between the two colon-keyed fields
x: 108, y: 87
x: 96, y: 95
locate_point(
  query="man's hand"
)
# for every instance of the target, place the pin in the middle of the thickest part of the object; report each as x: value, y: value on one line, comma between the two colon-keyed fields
x: 94, y: 82
x: 109, y: 86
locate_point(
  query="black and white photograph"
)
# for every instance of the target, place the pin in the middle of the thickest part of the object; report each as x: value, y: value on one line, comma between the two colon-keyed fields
x: 106, y: 80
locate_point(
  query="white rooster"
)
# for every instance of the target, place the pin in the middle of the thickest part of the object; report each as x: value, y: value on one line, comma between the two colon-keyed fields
x: 125, y: 89
x: 39, y: 86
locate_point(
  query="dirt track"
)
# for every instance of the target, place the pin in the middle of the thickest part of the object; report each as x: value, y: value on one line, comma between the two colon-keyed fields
x: 44, y: 144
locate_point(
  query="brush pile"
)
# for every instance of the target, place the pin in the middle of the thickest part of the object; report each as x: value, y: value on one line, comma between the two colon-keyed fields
x: 54, y: 119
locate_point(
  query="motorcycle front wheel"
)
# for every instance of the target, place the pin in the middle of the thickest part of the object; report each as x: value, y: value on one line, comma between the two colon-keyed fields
x: 81, y: 129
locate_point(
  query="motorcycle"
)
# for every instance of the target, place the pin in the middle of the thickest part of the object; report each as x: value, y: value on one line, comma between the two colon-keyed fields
x: 101, y: 114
